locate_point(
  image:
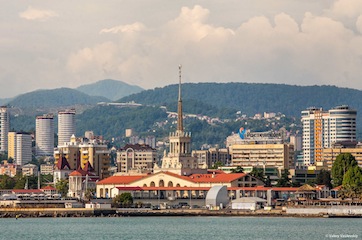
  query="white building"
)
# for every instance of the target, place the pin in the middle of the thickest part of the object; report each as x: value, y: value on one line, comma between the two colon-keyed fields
x: 44, y: 138
x: 323, y: 128
x: 4, y: 128
x: 23, y: 148
x: 66, y: 126
x: 19, y: 147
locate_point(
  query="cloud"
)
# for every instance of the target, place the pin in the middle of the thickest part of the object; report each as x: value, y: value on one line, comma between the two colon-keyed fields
x: 37, y: 14
x: 319, y: 50
x: 130, y: 28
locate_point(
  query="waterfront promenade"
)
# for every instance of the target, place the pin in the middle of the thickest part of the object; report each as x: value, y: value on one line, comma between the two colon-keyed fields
x: 139, y: 212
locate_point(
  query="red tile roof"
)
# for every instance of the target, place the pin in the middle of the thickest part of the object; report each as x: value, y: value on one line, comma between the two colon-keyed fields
x: 75, y: 173
x: 121, y: 179
x: 337, y: 188
x: 216, y: 178
x: 48, y: 188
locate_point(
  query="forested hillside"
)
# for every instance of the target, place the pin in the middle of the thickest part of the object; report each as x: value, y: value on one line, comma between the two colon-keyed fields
x: 252, y: 98
x: 60, y: 97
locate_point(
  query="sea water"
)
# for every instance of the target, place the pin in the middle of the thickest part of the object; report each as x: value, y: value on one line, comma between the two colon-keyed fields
x: 190, y: 228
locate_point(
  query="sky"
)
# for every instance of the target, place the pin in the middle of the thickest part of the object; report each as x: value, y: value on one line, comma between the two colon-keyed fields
x: 52, y: 44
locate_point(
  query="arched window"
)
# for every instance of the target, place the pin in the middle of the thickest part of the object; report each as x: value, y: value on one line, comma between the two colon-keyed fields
x: 152, y: 184
x: 170, y: 184
x: 178, y: 185
x: 161, y: 183
x: 145, y: 185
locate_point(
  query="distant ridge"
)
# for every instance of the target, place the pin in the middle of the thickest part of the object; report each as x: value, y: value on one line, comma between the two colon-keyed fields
x: 252, y: 98
x: 111, y: 89
x: 54, y: 98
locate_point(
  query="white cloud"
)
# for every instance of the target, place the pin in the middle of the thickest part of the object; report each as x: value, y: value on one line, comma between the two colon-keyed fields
x: 130, y: 28
x: 320, y: 50
x: 37, y: 14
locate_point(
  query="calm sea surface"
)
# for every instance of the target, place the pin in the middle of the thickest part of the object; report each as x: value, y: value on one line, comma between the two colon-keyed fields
x: 190, y: 228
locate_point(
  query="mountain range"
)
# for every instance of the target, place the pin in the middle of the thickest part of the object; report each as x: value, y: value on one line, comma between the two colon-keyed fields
x: 219, y: 100
x: 50, y: 100
x: 252, y: 98
x: 111, y: 89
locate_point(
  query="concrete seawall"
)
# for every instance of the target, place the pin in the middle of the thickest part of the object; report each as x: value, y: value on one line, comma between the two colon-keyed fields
x: 83, y: 212
x: 331, y: 211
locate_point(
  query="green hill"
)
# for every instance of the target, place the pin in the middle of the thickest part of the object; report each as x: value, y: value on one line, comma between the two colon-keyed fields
x: 252, y: 98
x: 43, y: 100
x: 111, y: 89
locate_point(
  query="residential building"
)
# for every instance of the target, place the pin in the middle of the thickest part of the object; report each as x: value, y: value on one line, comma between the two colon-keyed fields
x: 330, y: 154
x: 136, y: 157
x: 30, y: 170
x: 46, y: 169
x: 44, y: 135
x: 80, y: 151
x: 66, y: 125
x: 4, y: 128
x: 323, y: 128
x: 9, y: 169
x: 20, y: 147
x: 211, y: 156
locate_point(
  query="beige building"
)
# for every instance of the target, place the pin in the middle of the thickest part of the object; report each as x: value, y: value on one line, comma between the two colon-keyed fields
x: 11, y: 145
x: 79, y: 152
x: 136, y: 157
x: 30, y: 170
x: 211, y: 156
x: 46, y: 169
x: 329, y: 155
x: 278, y: 155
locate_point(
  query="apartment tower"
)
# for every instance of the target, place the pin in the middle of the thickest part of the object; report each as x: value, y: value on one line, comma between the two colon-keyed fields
x: 4, y: 128
x: 321, y: 129
x: 44, y: 138
x: 66, y: 126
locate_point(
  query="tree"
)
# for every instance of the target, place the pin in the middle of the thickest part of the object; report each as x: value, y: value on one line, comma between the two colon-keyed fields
x: 6, y: 182
x: 89, y: 194
x: 284, y: 180
x: 238, y: 169
x: 258, y: 173
x: 324, y: 178
x: 217, y: 165
x: 122, y: 200
x: 353, y: 177
x: 62, y: 187
x: 343, y: 162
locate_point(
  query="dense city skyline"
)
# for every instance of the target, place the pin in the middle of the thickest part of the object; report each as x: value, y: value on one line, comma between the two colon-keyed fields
x: 65, y: 44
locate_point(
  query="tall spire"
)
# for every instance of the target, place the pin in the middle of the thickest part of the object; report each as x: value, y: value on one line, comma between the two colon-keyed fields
x: 180, y: 127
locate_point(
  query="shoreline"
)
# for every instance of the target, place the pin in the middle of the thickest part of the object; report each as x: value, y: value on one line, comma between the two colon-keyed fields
x: 82, y: 212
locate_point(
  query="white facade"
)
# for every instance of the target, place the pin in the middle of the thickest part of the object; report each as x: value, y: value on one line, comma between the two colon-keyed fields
x: 23, y: 149
x: 323, y: 128
x: 66, y: 126
x: 44, y: 139
x: 4, y: 128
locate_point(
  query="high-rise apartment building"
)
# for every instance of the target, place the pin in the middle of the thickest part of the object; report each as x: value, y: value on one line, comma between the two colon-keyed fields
x: 66, y: 126
x: 19, y: 147
x: 323, y: 128
x: 44, y: 135
x: 85, y: 154
x: 4, y: 128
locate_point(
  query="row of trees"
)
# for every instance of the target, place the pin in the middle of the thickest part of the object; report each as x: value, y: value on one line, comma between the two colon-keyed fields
x: 19, y: 181
x: 347, y: 173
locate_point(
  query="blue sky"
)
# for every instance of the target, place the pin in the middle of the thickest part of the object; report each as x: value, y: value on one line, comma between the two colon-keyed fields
x: 51, y: 44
